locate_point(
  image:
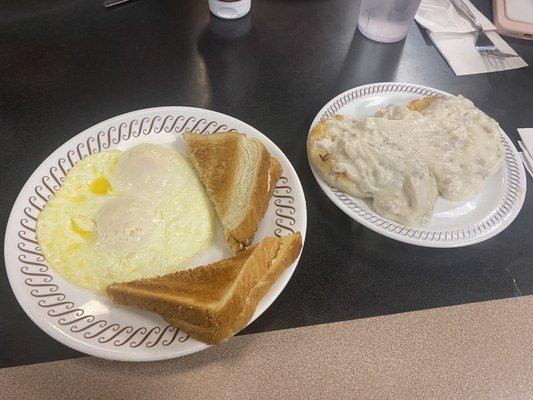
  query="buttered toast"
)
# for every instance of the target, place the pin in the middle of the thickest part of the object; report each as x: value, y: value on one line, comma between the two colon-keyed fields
x: 239, y: 176
x: 213, y: 302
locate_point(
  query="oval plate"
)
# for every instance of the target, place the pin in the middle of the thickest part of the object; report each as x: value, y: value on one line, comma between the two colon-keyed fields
x: 453, y: 224
x: 88, y: 322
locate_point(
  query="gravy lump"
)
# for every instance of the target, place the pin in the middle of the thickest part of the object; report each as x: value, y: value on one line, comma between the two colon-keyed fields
x: 404, y: 158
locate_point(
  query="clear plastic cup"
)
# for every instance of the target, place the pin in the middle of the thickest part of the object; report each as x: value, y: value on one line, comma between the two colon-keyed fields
x: 229, y: 9
x: 386, y: 20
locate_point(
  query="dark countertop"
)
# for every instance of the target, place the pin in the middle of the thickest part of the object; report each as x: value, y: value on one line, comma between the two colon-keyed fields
x: 67, y: 65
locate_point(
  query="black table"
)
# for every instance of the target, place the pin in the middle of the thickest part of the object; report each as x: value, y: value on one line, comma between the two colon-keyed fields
x: 67, y: 65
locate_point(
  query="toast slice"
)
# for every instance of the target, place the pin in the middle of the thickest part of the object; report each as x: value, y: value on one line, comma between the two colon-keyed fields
x: 213, y: 302
x: 239, y: 176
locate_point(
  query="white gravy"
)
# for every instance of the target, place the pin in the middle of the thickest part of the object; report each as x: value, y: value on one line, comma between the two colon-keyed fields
x: 404, y: 159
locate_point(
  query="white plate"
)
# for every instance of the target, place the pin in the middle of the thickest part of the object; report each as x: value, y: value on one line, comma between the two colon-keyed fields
x: 90, y: 323
x: 453, y: 224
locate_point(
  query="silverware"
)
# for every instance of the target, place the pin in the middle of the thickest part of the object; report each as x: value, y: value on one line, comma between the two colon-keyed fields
x: 111, y: 3
x: 483, y: 45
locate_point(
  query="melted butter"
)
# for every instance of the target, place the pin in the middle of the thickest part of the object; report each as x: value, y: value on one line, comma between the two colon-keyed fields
x: 404, y: 159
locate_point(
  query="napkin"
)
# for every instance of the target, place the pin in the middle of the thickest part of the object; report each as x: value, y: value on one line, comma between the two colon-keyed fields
x: 454, y: 36
x: 528, y: 162
x: 526, y: 144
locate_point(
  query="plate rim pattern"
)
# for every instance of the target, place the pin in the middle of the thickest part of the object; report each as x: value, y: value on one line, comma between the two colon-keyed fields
x: 40, y: 283
x: 510, y: 201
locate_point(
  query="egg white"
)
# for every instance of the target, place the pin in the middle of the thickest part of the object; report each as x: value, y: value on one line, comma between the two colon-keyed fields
x: 127, y: 215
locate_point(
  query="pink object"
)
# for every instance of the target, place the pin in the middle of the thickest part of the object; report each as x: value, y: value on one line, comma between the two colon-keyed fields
x: 514, y: 18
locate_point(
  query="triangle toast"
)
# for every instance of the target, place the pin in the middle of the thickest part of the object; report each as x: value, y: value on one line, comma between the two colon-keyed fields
x: 213, y: 302
x: 239, y: 176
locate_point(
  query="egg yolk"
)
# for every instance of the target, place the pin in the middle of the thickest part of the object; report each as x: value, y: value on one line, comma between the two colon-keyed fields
x: 100, y: 186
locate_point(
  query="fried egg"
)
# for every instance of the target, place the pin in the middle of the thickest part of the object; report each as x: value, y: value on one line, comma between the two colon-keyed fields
x: 127, y: 215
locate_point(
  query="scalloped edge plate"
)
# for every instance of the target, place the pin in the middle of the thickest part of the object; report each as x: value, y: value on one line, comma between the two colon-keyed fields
x: 90, y: 323
x: 454, y: 224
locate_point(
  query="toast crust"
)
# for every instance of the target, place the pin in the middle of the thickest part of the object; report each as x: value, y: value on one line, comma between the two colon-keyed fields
x: 213, y: 318
x: 218, y: 160
x: 289, y: 249
x: 187, y: 294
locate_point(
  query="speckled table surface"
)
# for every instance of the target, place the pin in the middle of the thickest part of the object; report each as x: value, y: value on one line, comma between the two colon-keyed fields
x: 475, y: 351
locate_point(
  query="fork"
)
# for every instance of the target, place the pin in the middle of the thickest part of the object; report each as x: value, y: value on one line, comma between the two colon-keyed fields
x: 484, y: 45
